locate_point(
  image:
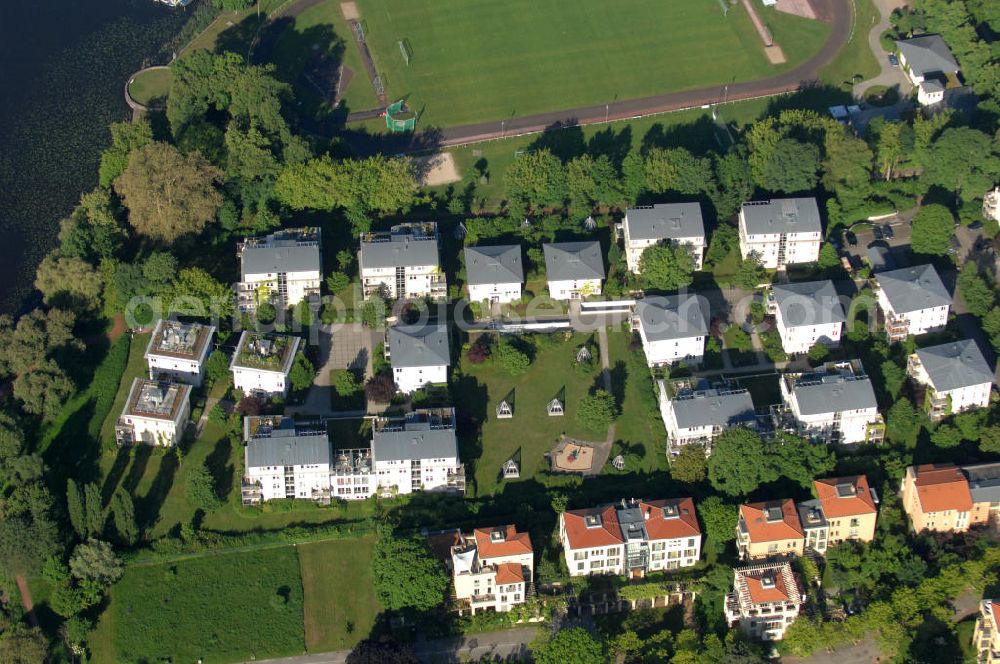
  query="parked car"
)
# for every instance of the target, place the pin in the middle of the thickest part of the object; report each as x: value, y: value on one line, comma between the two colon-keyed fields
x: 893, y: 60
x: 976, y: 225
x: 887, y: 231
x: 877, y: 232
x: 851, y: 238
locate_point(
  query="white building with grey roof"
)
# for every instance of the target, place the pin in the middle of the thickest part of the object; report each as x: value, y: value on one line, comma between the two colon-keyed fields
x: 494, y: 273
x: 281, y: 269
x: 929, y: 65
x: 418, y: 452
x: 695, y: 416
x: 956, y: 375
x: 672, y: 328
x: 156, y: 413
x: 663, y: 223
x: 807, y: 313
x: 419, y: 354
x: 832, y: 404
x: 913, y: 301
x: 403, y: 263
x: 285, y: 461
x: 262, y: 363
x: 574, y: 270
x: 781, y: 231
x: 177, y: 351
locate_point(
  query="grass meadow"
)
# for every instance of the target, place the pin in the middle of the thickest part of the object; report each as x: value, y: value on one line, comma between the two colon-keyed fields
x: 151, y: 86
x: 220, y: 608
x: 475, y: 61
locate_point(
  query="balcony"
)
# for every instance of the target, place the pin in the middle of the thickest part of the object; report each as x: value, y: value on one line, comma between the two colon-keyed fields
x: 251, y: 492
x: 125, y: 434
x: 897, y: 328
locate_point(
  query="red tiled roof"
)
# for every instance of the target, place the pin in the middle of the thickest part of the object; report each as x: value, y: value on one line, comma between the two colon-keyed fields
x: 994, y: 608
x: 582, y: 537
x: 759, y: 594
x: 513, y: 544
x: 659, y: 527
x: 836, y: 505
x: 786, y: 586
x: 941, y: 488
x: 788, y: 527
x: 509, y: 573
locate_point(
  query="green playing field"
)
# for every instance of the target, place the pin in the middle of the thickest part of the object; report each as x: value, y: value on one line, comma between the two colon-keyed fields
x: 478, y: 60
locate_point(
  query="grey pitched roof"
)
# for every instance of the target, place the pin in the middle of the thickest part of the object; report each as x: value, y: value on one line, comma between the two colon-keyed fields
x: 494, y: 265
x: 673, y: 316
x: 419, y: 346
x: 782, y: 215
x: 913, y: 288
x: 809, y: 303
x: 811, y: 514
x: 709, y: 408
x: 984, y: 482
x: 954, y: 365
x: 416, y: 441
x: 880, y: 258
x: 568, y: 261
x: 280, y: 258
x: 284, y: 448
x: 834, y: 394
x: 927, y: 54
x: 399, y: 251
x: 665, y: 221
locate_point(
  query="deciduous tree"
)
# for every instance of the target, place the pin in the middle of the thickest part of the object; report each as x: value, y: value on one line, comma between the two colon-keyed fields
x: 96, y: 561
x: 511, y: 359
x: 690, y: 465
x: 735, y: 466
x: 720, y: 521
x: 666, y: 267
x: 70, y: 283
x: 573, y: 644
x: 596, y: 411
x: 125, y: 137
x: 406, y: 573
x: 43, y: 390
x: 933, y: 226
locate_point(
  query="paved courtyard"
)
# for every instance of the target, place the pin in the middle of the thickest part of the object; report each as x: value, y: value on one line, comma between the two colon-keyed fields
x: 341, y: 346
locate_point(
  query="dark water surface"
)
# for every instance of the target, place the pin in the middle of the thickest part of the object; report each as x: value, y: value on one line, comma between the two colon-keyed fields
x: 63, y: 66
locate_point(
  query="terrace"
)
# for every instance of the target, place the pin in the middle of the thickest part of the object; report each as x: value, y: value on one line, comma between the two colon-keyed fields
x: 271, y: 353
x: 159, y: 400
x: 176, y: 339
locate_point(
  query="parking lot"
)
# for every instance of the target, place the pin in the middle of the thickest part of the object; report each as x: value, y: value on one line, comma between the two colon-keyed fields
x: 865, y: 234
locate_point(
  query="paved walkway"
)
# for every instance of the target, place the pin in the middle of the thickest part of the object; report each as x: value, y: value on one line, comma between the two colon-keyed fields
x: 496, y: 646
x: 839, y: 12
x: 889, y: 76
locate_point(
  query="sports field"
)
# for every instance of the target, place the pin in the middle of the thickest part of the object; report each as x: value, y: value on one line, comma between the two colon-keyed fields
x: 478, y: 60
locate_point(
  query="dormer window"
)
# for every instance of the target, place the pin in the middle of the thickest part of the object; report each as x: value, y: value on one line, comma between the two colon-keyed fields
x: 592, y: 521
x: 846, y: 490
x: 772, y: 514
x: 497, y: 535
x: 767, y: 582
x: 670, y: 512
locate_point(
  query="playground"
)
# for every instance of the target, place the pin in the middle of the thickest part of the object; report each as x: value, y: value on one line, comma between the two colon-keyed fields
x: 456, y: 61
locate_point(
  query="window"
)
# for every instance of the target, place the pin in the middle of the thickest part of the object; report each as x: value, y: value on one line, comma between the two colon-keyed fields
x: 580, y: 555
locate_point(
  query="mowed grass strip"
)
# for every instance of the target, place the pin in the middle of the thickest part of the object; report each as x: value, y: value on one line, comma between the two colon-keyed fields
x: 531, y: 430
x: 220, y: 608
x: 340, y: 603
x: 477, y: 60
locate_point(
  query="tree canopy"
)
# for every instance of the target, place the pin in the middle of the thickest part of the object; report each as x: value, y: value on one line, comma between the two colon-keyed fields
x: 406, y: 573
x: 933, y: 226
x: 666, y: 267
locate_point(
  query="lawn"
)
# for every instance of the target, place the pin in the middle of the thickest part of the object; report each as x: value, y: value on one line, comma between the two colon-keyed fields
x: 474, y: 61
x: 531, y: 432
x: 763, y: 390
x: 340, y: 604
x: 855, y: 62
x: 135, y: 368
x: 151, y: 87
x: 220, y: 608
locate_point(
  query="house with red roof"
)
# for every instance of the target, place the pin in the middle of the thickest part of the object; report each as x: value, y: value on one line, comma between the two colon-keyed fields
x: 492, y: 569
x: 769, y: 529
x: 845, y: 508
x: 631, y: 538
x: 765, y: 600
x: 949, y: 498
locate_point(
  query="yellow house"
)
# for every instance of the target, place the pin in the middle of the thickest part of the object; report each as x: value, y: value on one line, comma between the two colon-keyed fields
x: 986, y: 638
x: 937, y: 498
x: 849, y: 506
x: 768, y: 530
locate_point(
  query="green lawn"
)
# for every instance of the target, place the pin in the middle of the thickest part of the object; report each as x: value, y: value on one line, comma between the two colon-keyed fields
x: 220, y: 608
x: 531, y: 431
x: 856, y: 58
x: 151, y: 87
x: 474, y: 60
x: 135, y: 368
x: 763, y: 390
x: 340, y: 604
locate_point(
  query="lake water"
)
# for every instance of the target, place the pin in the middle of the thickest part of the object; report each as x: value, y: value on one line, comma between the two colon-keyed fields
x: 63, y: 66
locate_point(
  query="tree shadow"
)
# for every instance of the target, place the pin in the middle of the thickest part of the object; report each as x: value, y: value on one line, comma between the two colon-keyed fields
x: 611, y: 144
x: 471, y: 406
x: 698, y: 137
x: 140, y: 459
x: 148, y: 508
x: 238, y: 37
x: 122, y: 458
x: 817, y: 97
x: 619, y: 379
x: 565, y: 142
x: 218, y: 464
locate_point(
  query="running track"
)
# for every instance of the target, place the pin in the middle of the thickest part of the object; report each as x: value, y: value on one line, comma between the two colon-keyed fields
x: 839, y: 13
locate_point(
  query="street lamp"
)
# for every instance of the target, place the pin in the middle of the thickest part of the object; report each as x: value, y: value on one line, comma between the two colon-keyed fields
x: 607, y: 109
x: 501, y: 128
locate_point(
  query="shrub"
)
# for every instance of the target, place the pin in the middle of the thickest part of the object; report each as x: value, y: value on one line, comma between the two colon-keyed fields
x: 511, y: 360
x: 597, y: 411
x: 380, y: 388
x: 337, y: 282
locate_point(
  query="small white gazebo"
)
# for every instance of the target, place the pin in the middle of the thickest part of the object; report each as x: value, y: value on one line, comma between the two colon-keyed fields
x: 589, y: 224
x: 618, y: 462
x: 584, y: 355
x: 556, y: 408
x: 504, y: 411
x: 510, y: 470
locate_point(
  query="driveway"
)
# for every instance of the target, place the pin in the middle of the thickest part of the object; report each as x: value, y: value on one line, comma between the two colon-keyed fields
x: 899, y: 245
x: 889, y: 76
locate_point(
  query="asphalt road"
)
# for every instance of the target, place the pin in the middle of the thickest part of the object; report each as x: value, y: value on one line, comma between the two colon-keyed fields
x: 839, y: 13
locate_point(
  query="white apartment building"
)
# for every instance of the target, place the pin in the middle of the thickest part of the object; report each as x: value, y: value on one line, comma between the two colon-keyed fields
x: 494, y: 274
x: 282, y: 461
x: 991, y: 204
x: 956, y: 375
x: 403, y: 263
x: 929, y: 65
x: 766, y: 599
x: 492, y: 569
x: 807, y: 313
x: 913, y: 301
x: 261, y: 363
x: 695, y: 414
x: 986, y: 636
x: 663, y: 223
x: 283, y: 269
x: 781, y: 231
x: 419, y: 355
x: 156, y: 413
x: 631, y: 538
x: 832, y: 404
x: 418, y: 452
x: 673, y: 328
x: 574, y: 270
x: 178, y: 351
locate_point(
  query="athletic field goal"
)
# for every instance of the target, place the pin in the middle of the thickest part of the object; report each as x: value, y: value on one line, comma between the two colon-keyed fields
x: 398, y: 118
x: 406, y: 50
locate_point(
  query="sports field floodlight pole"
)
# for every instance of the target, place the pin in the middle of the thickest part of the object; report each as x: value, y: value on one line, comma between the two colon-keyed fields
x: 607, y: 109
x: 501, y: 128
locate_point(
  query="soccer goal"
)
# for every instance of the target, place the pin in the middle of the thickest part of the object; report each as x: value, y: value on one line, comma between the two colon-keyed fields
x: 398, y: 118
x: 405, y: 50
